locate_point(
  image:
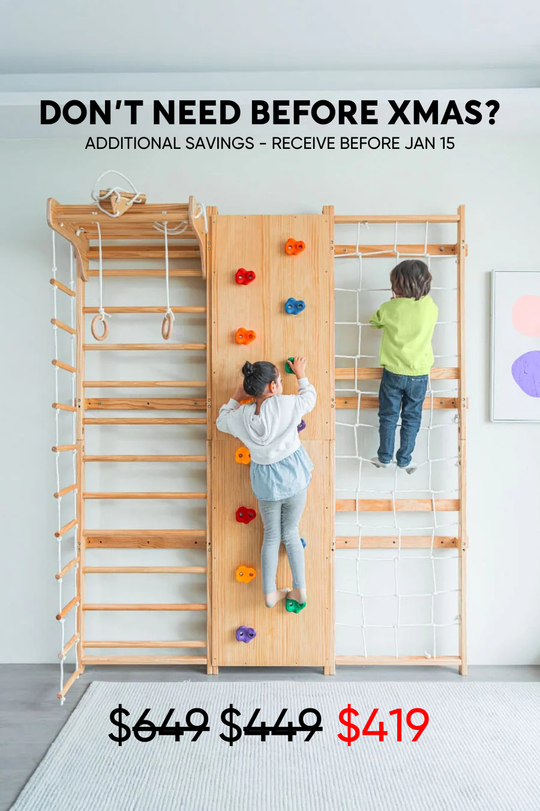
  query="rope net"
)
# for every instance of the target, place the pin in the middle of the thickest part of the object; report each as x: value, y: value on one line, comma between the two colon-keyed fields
x: 65, y: 461
x: 397, y: 589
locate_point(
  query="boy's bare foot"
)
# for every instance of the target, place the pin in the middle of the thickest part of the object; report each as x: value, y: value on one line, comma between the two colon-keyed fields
x: 274, y: 597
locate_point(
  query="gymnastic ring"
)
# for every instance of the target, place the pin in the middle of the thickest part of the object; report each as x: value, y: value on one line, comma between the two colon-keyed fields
x: 93, y: 327
x: 167, y: 326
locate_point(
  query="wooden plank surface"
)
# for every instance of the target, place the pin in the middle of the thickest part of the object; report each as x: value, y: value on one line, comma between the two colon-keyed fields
x: 283, y: 639
x: 257, y: 243
x: 375, y: 373
x: 145, y: 538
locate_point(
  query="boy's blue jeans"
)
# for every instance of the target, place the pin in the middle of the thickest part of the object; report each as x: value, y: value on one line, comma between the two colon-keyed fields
x: 406, y: 394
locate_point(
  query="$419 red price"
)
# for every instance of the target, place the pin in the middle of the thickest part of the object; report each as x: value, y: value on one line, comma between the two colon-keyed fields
x: 353, y: 731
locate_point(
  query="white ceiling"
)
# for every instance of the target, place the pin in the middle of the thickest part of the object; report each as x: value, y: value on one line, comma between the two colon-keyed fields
x: 138, y: 36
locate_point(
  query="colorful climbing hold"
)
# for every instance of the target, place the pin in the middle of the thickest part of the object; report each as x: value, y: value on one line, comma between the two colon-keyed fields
x: 243, y: 276
x: 303, y: 542
x: 301, y: 426
x: 294, y: 607
x: 245, y: 574
x: 294, y: 306
x: 243, y: 456
x: 288, y: 367
x: 244, y: 336
x: 245, y: 634
x: 245, y: 515
x: 294, y: 246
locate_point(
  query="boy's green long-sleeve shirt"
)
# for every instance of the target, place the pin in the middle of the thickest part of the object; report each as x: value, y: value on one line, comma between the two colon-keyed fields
x: 408, y: 328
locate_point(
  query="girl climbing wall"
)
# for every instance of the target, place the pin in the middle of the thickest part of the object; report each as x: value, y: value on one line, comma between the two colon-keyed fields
x: 280, y: 466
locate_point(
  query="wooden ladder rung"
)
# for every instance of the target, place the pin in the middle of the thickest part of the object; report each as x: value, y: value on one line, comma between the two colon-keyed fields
x: 368, y: 401
x: 67, y: 608
x: 62, y: 287
x: 60, y: 324
x: 341, y: 219
x: 67, y: 567
x: 421, y: 661
x: 149, y: 273
x: 67, y: 647
x: 74, y: 676
x: 392, y: 542
x: 144, y: 404
x: 125, y: 458
x: 70, y: 489
x: 156, y: 659
x: 97, y: 347
x: 144, y: 570
x: 175, y: 643
x: 61, y: 448
x: 64, y: 407
x: 145, y: 421
x: 375, y: 373
x: 144, y: 384
x: 64, y: 366
x: 145, y: 538
x: 66, y: 528
x: 144, y: 495
x: 385, y: 251
x: 402, y: 505
x: 143, y: 252
x: 142, y: 606
x: 119, y: 310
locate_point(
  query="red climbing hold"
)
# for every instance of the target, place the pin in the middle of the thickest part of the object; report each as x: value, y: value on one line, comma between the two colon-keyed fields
x: 243, y: 276
x: 294, y: 246
x: 245, y: 516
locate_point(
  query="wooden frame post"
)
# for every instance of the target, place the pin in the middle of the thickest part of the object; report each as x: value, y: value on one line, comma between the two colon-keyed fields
x: 462, y: 438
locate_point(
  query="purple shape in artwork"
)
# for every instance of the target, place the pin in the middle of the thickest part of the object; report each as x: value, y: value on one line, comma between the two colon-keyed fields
x: 526, y: 373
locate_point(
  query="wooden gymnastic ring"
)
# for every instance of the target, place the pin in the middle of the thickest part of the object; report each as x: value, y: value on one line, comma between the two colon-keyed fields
x: 167, y: 326
x: 95, y: 320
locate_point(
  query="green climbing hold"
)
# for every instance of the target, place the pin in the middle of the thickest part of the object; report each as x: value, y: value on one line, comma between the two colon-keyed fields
x: 287, y: 366
x: 294, y: 606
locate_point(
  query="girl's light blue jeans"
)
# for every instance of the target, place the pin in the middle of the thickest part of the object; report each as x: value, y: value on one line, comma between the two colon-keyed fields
x: 281, y: 521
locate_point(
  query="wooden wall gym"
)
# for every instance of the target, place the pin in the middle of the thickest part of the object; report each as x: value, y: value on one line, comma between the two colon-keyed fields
x: 257, y: 243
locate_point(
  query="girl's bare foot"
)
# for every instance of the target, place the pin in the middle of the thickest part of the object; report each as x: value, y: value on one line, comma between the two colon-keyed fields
x: 275, y: 597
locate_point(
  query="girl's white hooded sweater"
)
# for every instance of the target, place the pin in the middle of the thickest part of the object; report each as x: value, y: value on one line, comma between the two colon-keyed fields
x: 271, y: 435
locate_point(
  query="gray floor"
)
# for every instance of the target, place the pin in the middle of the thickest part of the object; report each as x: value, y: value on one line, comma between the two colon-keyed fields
x: 31, y: 716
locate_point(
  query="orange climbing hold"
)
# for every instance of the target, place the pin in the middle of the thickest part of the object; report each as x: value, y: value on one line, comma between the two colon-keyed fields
x: 294, y: 246
x: 243, y: 456
x: 244, y: 336
x: 246, y: 401
x: 245, y: 574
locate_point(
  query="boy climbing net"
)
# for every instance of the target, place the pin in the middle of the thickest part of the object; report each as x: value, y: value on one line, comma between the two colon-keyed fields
x: 406, y: 355
x: 280, y: 466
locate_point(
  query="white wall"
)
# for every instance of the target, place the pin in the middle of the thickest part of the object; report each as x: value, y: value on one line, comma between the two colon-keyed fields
x: 496, y: 176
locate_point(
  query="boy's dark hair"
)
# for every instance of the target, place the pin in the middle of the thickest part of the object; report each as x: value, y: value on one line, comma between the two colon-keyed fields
x: 411, y: 279
x: 257, y: 376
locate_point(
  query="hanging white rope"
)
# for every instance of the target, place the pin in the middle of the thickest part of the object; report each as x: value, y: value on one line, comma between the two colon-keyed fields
x: 163, y: 227
x: 102, y: 314
x: 115, y: 190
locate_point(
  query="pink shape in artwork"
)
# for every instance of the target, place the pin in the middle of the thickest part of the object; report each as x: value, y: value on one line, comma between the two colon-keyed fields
x: 526, y: 315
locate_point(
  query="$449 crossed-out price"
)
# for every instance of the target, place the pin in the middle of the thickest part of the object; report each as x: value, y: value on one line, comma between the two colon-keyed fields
x: 353, y: 731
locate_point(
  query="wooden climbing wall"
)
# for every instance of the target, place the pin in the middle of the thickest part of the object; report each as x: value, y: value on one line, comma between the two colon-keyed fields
x: 257, y: 243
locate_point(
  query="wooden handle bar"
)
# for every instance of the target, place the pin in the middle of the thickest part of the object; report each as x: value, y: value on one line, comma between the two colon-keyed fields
x: 67, y: 567
x: 142, y: 347
x: 157, y: 310
x: 173, y: 643
x: 63, y: 407
x: 124, y: 458
x: 68, y: 646
x: 144, y: 569
x: 402, y: 505
x: 60, y: 448
x: 145, y: 421
x: 375, y: 373
x: 385, y: 251
x: 145, y: 384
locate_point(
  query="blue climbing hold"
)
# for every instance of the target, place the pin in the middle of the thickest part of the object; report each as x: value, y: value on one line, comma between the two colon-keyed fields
x: 302, y: 540
x: 293, y: 307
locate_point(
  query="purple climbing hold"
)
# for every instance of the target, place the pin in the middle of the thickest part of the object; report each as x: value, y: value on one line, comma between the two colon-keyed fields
x: 301, y: 426
x: 245, y: 634
x: 526, y: 373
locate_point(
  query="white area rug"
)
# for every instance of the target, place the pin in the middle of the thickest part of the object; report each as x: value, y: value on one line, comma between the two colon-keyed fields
x: 481, y: 751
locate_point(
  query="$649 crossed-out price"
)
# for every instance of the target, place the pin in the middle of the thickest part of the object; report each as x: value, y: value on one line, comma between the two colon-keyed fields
x: 353, y: 731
